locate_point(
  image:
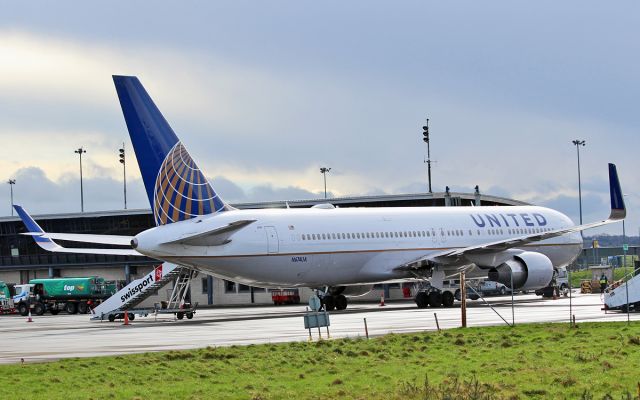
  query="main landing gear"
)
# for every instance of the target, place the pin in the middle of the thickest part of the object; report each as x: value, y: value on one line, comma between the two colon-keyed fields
x: 334, y: 302
x: 434, y: 298
x: 332, y: 298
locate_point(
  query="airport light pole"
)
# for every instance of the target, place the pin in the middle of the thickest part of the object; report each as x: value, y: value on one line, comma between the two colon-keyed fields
x: 11, y: 182
x: 323, y: 171
x: 79, y: 152
x: 577, y: 143
x: 425, y: 133
x: 123, y: 161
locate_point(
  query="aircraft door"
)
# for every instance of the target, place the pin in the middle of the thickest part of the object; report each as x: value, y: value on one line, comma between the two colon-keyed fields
x: 272, y: 239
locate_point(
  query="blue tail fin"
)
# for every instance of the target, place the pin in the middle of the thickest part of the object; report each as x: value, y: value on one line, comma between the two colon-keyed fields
x: 176, y: 187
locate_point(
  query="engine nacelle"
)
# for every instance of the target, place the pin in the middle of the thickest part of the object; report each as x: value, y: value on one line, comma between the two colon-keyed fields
x: 530, y: 271
x: 351, y: 291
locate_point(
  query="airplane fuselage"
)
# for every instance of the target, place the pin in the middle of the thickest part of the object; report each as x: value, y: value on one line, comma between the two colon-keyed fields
x: 318, y: 247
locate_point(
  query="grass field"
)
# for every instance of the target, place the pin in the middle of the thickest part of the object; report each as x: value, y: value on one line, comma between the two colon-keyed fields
x: 541, y: 361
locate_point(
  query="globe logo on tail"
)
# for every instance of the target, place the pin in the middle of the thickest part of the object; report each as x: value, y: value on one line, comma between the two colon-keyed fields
x: 181, y: 190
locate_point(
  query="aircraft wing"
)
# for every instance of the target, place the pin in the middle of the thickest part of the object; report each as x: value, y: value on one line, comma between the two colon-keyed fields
x: 461, y: 256
x: 44, y: 240
x: 75, y: 237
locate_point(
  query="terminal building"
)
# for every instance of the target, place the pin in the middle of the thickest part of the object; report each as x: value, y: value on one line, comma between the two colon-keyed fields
x: 22, y: 260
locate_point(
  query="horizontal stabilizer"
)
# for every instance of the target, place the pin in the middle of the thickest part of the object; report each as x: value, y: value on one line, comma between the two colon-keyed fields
x: 215, y: 237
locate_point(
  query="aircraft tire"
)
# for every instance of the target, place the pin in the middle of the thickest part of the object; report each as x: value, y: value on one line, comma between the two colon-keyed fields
x: 447, y: 299
x: 132, y: 316
x: 422, y: 300
x: 341, y: 302
x: 435, y: 299
x: 329, y: 303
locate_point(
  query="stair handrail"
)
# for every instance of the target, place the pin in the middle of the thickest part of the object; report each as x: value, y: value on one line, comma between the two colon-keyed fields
x: 622, y: 281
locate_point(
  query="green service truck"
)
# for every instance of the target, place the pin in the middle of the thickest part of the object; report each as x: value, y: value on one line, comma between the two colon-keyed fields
x: 6, y: 302
x: 73, y: 295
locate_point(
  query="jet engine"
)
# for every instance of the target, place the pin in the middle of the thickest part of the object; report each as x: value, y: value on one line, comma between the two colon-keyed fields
x: 530, y: 271
x: 351, y: 291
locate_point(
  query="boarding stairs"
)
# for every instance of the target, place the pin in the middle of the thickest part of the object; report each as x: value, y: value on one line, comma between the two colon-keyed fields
x: 625, y: 295
x: 140, y: 289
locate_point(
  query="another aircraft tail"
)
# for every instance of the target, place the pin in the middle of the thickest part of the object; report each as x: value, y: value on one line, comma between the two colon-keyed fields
x: 176, y: 187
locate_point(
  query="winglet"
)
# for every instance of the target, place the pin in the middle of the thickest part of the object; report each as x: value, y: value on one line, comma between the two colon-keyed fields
x: 35, y: 229
x: 618, y: 209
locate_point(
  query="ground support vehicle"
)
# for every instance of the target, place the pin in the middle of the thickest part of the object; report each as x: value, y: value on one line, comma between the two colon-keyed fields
x: 596, y: 273
x: 624, y: 295
x: 6, y: 301
x: 132, y: 295
x: 73, y: 295
x: 285, y: 296
x: 487, y: 288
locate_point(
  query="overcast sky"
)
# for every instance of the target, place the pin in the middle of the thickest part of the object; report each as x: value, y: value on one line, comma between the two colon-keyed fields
x: 264, y: 93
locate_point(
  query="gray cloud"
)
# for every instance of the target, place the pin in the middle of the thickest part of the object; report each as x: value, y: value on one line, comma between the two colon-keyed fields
x: 41, y: 195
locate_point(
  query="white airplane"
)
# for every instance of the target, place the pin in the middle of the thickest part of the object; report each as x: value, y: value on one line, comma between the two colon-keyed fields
x: 339, y: 252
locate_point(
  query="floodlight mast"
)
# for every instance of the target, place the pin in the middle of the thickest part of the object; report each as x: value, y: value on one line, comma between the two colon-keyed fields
x: 11, y: 182
x: 323, y: 171
x: 425, y: 133
x: 80, y: 152
x: 123, y: 161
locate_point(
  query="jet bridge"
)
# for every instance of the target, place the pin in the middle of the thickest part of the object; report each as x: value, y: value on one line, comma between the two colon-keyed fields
x: 139, y: 290
x: 624, y: 295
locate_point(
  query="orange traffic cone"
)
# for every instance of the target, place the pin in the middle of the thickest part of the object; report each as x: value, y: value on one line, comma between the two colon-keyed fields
x: 382, y: 300
x: 126, y: 318
x: 29, y: 319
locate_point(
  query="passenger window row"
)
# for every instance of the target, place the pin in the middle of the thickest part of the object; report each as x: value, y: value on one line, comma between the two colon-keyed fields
x: 366, y: 235
x: 416, y: 234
